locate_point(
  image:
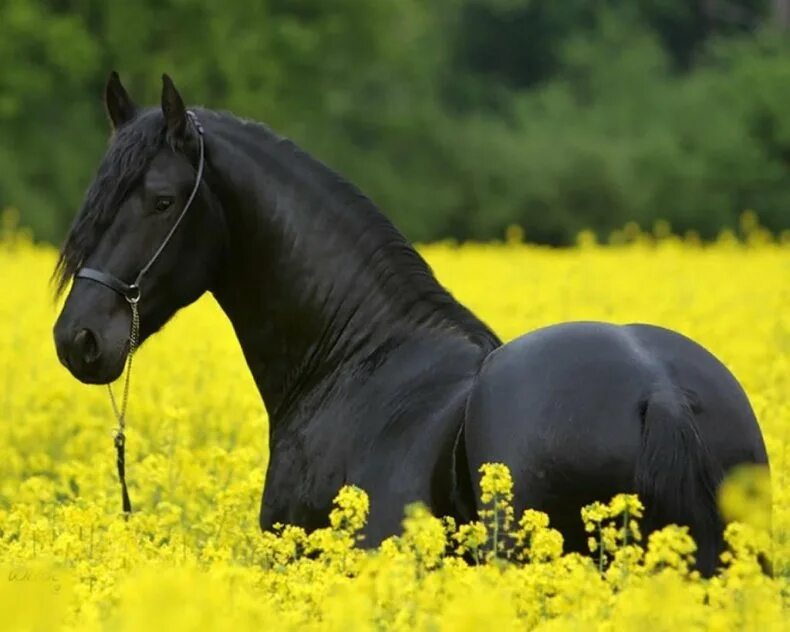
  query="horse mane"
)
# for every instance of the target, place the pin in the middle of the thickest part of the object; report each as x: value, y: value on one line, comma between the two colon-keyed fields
x: 131, y: 150
x: 387, y: 255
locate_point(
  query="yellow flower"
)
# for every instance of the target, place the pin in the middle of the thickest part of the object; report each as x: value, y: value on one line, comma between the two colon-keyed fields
x: 745, y: 496
x: 192, y: 555
x: 593, y: 514
x: 351, y: 509
x: 496, y: 483
x: 670, y: 547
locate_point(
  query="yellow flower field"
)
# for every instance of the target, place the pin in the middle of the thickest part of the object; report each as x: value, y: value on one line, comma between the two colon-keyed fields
x: 192, y: 556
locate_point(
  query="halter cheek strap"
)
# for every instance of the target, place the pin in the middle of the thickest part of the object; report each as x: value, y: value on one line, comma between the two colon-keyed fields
x: 131, y: 292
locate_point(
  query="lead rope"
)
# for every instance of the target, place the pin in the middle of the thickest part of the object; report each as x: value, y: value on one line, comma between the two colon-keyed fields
x: 120, y: 413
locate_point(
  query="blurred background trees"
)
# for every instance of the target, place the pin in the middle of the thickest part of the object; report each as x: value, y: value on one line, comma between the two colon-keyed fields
x: 459, y: 117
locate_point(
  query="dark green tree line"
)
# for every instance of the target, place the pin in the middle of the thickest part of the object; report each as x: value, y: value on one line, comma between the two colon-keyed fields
x: 459, y: 117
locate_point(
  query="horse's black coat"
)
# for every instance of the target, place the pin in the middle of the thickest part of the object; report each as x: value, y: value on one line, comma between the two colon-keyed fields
x: 372, y: 373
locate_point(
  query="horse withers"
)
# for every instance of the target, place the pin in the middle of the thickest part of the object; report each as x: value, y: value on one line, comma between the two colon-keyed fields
x: 372, y: 373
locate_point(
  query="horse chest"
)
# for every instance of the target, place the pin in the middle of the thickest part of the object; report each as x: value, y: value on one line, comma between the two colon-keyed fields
x: 301, y: 482
x: 389, y: 430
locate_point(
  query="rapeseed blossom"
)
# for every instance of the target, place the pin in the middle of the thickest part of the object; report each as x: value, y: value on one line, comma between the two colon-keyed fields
x: 192, y: 556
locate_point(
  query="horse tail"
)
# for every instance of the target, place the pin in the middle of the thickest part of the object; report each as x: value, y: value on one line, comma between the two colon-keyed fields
x: 676, y: 475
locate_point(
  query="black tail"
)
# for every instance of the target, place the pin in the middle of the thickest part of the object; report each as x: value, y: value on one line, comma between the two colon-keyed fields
x: 677, y: 477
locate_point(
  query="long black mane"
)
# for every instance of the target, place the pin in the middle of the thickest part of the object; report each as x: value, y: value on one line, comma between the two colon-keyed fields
x: 382, y: 254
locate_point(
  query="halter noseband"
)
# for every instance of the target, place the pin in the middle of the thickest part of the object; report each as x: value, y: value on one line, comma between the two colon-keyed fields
x: 131, y: 292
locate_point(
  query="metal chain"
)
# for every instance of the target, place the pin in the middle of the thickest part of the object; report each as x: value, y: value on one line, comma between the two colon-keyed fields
x: 119, y: 440
x: 120, y: 413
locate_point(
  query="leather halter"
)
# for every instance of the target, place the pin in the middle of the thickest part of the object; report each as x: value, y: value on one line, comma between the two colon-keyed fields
x: 131, y: 292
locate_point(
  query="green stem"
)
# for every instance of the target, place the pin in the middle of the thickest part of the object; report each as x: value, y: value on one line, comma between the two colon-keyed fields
x: 600, y: 550
x: 496, y: 528
x: 625, y: 527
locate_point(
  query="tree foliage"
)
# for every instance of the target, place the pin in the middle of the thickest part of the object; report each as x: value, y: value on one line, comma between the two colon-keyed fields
x: 460, y: 117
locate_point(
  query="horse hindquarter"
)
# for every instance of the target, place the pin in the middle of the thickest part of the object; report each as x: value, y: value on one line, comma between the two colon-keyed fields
x: 582, y: 411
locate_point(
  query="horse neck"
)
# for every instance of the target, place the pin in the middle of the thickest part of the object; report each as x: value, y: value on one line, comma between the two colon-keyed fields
x: 315, y: 277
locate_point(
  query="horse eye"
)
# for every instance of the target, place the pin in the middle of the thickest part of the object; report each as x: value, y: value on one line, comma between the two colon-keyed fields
x: 163, y: 202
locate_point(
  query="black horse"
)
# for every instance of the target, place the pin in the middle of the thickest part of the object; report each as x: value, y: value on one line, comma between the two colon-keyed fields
x: 371, y: 372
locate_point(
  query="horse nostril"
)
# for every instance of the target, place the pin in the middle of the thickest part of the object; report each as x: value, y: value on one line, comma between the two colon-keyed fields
x: 87, y: 346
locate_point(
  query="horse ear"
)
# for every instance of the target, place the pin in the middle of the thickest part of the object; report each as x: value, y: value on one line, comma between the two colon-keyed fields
x: 120, y: 107
x: 173, y: 109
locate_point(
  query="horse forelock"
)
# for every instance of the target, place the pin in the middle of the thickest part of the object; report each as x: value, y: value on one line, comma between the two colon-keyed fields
x: 131, y: 150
